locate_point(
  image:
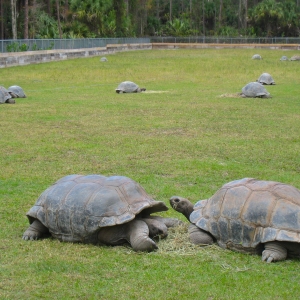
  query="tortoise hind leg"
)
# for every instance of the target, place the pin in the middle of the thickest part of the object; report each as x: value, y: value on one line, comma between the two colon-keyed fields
x: 274, y: 251
x: 35, y: 231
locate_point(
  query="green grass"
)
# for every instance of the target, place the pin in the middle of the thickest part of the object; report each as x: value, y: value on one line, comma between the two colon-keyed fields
x: 181, y: 137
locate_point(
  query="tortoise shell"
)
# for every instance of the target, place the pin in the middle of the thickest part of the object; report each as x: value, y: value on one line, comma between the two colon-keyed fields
x: 77, y: 206
x: 16, y: 91
x: 284, y: 58
x: 255, y: 89
x: 4, y: 95
x: 266, y: 78
x: 256, y: 56
x: 127, y: 87
x: 247, y: 212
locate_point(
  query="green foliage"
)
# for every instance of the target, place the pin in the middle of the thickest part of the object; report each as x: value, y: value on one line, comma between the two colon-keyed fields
x: 76, y: 29
x: 92, y: 13
x: 187, y: 135
x: 46, y: 27
x: 13, y: 47
x: 227, y: 31
x: 93, y: 18
x: 178, y: 27
x: 272, y: 18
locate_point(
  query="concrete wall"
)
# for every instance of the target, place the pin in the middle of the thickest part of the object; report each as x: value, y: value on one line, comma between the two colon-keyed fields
x: 10, y: 59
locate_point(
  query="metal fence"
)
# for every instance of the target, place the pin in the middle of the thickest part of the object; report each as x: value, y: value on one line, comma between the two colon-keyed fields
x: 48, y: 44
x: 226, y: 40
x: 57, y: 44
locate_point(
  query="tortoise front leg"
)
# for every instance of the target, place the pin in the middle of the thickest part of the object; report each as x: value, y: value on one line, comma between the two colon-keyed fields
x: 138, y: 236
x: 35, y: 231
x: 135, y: 232
x: 199, y: 236
x: 274, y: 251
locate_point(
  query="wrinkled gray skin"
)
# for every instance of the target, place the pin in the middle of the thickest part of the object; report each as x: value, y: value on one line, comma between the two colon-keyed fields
x: 129, y: 87
x: 266, y: 78
x: 99, y: 210
x: 16, y: 91
x: 255, y: 90
x: 5, y: 96
x: 256, y: 56
x: 273, y: 204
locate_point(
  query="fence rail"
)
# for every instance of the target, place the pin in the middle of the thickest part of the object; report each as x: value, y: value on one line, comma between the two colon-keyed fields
x: 57, y: 44
x: 226, y: 40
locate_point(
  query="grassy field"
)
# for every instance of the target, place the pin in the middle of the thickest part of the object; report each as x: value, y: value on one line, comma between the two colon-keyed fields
x: 187, y: 135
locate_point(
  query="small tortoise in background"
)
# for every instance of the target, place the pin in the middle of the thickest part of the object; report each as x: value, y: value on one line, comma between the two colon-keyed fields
x: 5, y: 96
x: 97, y: 209
x: 16, y: 91
x: 129, y: 87
x: 295, y: 57
x: 284, y: 58
x: 266, y: 78
x: 256, y: 56
x: 255, y: 90
x: 247, y: 215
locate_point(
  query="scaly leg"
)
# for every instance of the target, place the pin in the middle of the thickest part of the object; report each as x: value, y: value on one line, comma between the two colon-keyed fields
x: 199, y: 236
x: 35, y: 231
x: 274, y: 251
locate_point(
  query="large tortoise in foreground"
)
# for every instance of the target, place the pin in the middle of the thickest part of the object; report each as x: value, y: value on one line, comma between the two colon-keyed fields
x: 255, y: 90
x: 247, y: 215
x: 98, y: 209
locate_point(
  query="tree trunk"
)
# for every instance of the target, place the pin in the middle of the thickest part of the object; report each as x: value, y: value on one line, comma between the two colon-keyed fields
x: 171, y: 10
x: 246, y: 13
x: 58, y: 18
x: 14, y: 18
x: 220, y: 13
x: 203, y: 16
x: 26, y: 20
x: 2, y: 21
x: 243, y: 13
x: 118, y: 7
x: 49, y: 7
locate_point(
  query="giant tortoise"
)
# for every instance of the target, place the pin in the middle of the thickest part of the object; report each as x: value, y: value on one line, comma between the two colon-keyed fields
x: 16, y: 91
x: 266, y: 78
x: 129, y: 87
x: 5, y: 96
x: 247, y: 215
x: 256, y: 56
x: 255, y: 90
x: 98, y: 209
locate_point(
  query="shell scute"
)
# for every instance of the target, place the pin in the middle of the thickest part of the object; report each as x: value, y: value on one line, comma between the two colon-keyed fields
x: 234, y: 201
x: 286, y: 216
x: 258, y: 208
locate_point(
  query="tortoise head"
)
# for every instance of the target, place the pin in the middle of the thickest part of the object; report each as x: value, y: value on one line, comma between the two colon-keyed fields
x: 182, y: 205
